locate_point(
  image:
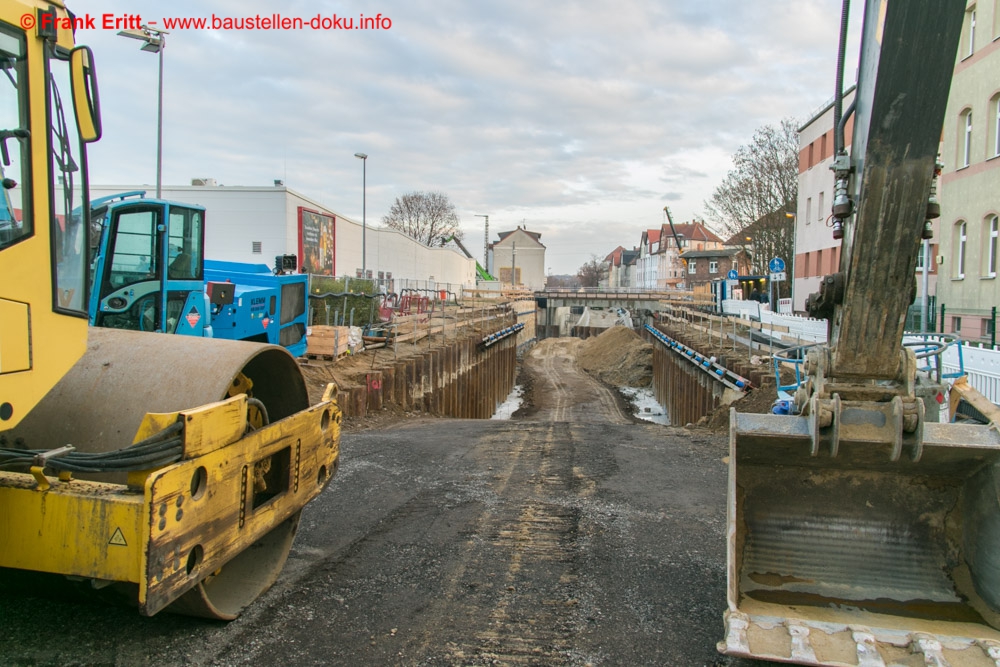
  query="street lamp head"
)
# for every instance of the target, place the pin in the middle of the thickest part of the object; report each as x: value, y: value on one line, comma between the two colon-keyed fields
x: 154, y: 39
x: 141, y: 35
x: 363, y: 156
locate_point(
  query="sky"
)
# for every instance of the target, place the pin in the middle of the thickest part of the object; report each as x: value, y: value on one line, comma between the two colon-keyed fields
x: 578, y: 120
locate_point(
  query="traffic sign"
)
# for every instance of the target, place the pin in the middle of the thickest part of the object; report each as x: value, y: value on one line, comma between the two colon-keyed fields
x: 732, y: 275
x: 778, y: 277
x: 777, y: 265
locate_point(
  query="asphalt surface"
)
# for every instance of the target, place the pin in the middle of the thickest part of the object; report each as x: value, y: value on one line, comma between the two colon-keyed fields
x: 454, y: 542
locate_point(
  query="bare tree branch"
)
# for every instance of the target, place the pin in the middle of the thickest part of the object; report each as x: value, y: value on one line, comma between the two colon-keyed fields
x: 591, y: 273
x: 754, y: 197
x: 429, y: 217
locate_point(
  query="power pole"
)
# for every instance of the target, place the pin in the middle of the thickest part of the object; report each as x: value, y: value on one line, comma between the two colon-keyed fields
x: 486, y: 242
x: 513, y: 263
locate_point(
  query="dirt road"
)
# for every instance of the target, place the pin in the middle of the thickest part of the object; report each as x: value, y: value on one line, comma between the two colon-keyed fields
x: 562, y: 392
x: 568, y: 539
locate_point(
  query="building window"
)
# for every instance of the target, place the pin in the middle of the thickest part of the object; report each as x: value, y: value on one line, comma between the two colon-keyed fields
x: 256, y: 247
x: 970, y: 32
x: 956, y: 325
x: 965, y: 148
x: 987, y: 327
x: 920, y: 257
x: 961, y: 238
x: 713, y: 267
x: 809, y: 210
x: 691, y: 267
x: 995, y: 107
x: 991, y: 247
x: 819, y: 207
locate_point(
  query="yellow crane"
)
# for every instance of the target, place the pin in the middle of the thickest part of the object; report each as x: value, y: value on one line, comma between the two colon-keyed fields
x: 172, y: 468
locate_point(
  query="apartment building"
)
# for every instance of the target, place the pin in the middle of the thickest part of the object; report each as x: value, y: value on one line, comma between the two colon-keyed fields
x: 970, y: 182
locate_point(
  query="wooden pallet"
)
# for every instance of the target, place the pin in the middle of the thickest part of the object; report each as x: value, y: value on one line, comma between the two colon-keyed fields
x: 327, y: 341
x: 309, y: 356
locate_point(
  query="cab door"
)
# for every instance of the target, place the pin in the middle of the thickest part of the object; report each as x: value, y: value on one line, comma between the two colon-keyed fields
x: 131, y: 291
x: 186, y: 307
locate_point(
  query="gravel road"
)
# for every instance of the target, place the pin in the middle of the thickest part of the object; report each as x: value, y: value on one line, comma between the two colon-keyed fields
x: 572, y: 538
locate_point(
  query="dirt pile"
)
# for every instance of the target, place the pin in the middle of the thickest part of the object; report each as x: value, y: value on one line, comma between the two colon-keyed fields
x: 618, y: 357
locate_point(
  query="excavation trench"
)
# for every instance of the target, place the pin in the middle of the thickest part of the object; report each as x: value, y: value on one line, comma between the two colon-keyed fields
x: 689, y: 393
x: 565, y: 379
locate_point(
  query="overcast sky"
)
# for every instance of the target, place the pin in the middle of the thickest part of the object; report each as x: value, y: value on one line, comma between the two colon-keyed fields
x: 582, y: 119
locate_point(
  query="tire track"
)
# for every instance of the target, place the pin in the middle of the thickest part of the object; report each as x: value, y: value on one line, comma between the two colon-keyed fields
x: 533, y: 619
x: 563, y: 392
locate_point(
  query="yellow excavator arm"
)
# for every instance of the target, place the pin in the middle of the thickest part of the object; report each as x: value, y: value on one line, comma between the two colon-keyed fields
x: 862, y: 531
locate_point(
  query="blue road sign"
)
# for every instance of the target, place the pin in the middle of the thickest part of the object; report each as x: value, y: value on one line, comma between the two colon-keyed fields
x: 776, y: 265
x: 732, y: 275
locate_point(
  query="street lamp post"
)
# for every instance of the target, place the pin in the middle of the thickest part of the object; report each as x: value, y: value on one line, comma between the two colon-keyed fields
x: 364, y: 213
x: 791, y: 281
x: 155, y: 42
x: 924, y: 315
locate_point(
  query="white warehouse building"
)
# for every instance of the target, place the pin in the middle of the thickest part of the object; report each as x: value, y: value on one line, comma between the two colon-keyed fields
x: 255, y: 224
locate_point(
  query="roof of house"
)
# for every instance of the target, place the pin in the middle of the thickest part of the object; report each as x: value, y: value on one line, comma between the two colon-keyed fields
x: 652, y: 235
x: 718, y: 252
x: 615, y: 256
x: 695, y: 231
x: 534, y: 235
x: 770, y: 221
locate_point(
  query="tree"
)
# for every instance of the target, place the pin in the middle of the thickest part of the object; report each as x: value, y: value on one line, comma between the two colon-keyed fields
x: 591, y: 273
x: 756, y: 201
x: 429, y: 217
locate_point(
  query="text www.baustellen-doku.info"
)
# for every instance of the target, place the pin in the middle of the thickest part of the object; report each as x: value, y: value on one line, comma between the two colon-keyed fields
x: 212, y: 22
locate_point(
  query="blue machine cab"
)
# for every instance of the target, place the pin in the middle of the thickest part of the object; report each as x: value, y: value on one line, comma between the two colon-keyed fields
x: 150, y: 274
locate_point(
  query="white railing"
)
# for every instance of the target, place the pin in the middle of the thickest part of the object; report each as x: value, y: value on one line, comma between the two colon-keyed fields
x: 982, y: 367
x: 805, y: 329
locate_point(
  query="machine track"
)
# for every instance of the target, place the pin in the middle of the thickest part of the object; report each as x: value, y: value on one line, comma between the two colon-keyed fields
x: 537, y: 539
x: 563, y: 392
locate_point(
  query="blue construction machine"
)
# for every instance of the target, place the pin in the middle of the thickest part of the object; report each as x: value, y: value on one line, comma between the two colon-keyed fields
x: 150, y: 274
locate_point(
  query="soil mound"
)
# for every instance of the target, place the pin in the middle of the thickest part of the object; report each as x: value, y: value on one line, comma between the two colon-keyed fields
x: 618, y: 357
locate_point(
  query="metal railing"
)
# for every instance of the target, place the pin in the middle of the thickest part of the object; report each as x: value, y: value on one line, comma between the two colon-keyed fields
x: 981, y: 365
x: 930, y: 350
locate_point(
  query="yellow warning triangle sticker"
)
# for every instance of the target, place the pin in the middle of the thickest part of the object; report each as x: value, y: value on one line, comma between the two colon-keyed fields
x: 118, y: 538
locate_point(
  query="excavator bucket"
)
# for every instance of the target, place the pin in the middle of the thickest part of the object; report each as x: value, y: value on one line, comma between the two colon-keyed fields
x: 844, y: 549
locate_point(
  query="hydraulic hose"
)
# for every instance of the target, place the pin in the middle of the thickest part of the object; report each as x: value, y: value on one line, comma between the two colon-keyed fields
x: 838, y: 96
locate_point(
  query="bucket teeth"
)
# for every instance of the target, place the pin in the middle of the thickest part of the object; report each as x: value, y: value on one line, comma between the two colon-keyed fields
x: 868, y: 655
x: 992, y: 649
x: 736, y: 634
x: 801, y: 650
x: 931, y: 650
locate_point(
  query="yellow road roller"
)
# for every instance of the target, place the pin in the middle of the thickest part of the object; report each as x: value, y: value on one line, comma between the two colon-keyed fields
x: 168, y: 468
